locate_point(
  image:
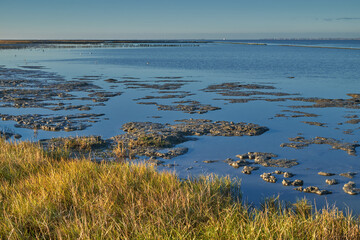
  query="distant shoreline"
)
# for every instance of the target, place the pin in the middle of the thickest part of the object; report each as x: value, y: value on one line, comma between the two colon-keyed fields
x: 19, y: 44
x: 292, y: 45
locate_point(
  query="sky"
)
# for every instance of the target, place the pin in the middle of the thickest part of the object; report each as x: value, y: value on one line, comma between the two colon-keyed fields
x: 179, y: 19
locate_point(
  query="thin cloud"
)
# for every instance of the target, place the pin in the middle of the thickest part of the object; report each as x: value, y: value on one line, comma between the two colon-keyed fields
x: 342, y: 19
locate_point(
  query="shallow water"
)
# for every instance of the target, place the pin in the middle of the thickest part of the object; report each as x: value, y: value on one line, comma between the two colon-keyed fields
x: 309, y: 72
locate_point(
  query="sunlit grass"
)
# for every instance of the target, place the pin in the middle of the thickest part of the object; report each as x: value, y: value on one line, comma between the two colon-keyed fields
x: 46, y: 195
x: 83, y: 143
x: 126, y: 149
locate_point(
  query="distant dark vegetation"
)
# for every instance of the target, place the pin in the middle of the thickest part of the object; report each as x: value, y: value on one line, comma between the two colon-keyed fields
x: 17, y: 44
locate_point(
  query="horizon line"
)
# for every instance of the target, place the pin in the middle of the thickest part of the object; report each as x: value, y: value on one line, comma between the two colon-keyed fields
x: 177, y: 39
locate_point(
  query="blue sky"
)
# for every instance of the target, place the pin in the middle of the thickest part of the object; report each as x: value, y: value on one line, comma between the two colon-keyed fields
x: 181, y: 19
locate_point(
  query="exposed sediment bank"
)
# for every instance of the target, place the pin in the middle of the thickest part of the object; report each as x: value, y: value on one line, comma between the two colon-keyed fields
x: 290, y: 45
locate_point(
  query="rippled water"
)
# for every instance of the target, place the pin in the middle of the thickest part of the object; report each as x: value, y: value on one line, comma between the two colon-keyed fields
x: 304, y: 72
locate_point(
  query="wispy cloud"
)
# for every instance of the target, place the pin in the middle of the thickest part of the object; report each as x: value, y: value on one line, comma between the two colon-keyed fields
x: 342, y: 19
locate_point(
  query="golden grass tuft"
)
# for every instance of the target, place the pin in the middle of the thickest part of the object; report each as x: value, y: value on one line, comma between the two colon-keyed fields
x: 83, y: 143
x: 123, y: 150
x: 44, y: 195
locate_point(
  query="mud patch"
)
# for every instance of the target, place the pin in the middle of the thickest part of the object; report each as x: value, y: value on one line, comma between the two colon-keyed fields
x: 33, y: 88
x: 200, y: 127
x: 313, y: 189
x: 331, y: 181
x: 350, y: 188
x: 73, y: 122
x: 352, y: 103
x: 348, y: 174
x: 180, y: 94
x: 267, y: 159
x: 296, y: 182
x: 191, y: 107
x: 239, y: 89
x: 301, y: 142
x: 319, y: 124
x: 353, y: 121
x: 268, y: 177
x: 150, y: 139
x: 295, y: 114
x: 249, y: 169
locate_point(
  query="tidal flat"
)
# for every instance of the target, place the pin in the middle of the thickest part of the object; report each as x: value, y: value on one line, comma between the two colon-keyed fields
x: 268, y: 115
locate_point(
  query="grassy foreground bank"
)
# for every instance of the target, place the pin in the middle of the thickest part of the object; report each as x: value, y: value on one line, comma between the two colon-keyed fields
x: 45, y: 195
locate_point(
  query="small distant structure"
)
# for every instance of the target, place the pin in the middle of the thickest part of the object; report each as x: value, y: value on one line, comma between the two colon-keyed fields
x: 224, y: 39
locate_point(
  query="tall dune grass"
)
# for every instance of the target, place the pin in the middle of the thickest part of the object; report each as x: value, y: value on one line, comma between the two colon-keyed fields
x: 47, y: 196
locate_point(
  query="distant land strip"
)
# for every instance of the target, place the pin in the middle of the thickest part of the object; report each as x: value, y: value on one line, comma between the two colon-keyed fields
x: 17, y: 44
x: 293, y: 45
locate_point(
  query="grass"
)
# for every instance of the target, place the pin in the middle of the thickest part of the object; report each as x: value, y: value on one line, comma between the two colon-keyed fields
x: 123, y: 150
x: 129, y: 148
x: 49, y: 196
x: 83, y: 143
